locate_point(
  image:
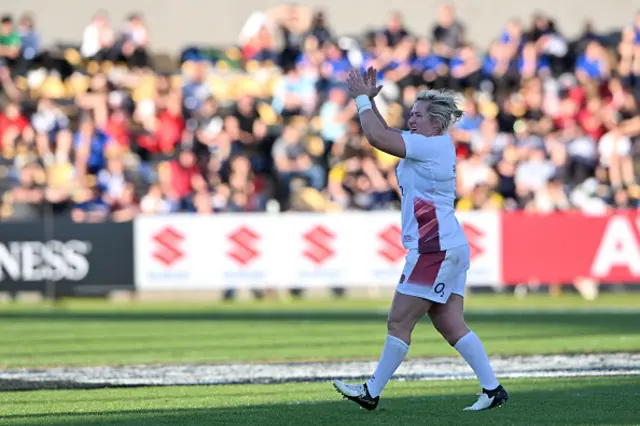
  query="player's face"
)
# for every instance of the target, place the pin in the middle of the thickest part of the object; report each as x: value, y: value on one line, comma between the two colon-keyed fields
x: 420, y: 121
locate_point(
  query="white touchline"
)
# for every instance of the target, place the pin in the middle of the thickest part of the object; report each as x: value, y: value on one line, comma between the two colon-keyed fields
x: 534, y: 366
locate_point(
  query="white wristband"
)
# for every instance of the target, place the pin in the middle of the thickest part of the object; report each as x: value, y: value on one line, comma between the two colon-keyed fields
x: 363, y: 103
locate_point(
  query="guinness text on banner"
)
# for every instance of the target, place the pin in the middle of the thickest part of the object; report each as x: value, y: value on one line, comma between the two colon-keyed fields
x: 77, y: 258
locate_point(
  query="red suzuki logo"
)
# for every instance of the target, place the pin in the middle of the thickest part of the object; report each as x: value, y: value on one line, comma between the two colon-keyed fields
x: 167, y: 248
x: 474, y: 236
x: 319, y: 241
x: 243, y: 249
x: 392, y: 248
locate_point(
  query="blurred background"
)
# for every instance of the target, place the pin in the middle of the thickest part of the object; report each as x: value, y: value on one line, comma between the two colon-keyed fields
x: 150, y: 148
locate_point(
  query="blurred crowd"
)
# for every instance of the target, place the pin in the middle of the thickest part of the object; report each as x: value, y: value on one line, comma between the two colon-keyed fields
x: 103, y: 129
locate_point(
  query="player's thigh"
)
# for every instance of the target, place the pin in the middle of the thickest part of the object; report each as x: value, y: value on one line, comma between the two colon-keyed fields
x: 448, y: 318
x: 407, y: 310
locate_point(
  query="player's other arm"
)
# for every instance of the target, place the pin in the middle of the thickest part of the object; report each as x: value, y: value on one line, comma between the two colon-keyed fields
x: 375, y: 110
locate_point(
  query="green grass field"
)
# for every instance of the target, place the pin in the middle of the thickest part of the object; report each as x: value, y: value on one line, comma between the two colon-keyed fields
x: 593, y: 401
x: 86, y: 333
x: 90, y: 333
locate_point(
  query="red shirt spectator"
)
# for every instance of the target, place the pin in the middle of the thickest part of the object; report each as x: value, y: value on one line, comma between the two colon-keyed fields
x: 117, y: 128
x: 167, y: 131
x: 567, y: 114
x: 169, y: 128
x: 182, y: 171
x: 11, y: 118
x: 590, y: 118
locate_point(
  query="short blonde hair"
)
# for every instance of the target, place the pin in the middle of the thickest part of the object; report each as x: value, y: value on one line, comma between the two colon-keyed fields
x: 441, y: 106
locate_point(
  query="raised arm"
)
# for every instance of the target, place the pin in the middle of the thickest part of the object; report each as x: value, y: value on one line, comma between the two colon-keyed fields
x: 370, y: 82
x: 386, y: 139
x: 375, y: 128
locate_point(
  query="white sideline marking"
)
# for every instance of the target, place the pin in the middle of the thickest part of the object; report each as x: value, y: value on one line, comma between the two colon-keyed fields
x: 536, y: 366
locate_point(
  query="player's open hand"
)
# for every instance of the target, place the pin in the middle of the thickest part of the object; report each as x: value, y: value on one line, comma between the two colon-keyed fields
x: 356, y: 84
x: 370, y: 81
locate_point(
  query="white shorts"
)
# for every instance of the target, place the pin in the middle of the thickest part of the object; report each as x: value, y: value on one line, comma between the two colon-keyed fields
x: 435, y: 276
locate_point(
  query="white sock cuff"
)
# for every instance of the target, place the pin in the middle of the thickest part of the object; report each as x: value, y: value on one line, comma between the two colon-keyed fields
x: 463, y: 339
x: 397, y: 341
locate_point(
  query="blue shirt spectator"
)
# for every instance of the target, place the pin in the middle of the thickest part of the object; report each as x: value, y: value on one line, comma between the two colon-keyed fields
x: 542, y: 63
x: 29, y: 38
x: 427, y: 63
x: 590, y: 66
x: 92, y: 142
x: 593, y: 62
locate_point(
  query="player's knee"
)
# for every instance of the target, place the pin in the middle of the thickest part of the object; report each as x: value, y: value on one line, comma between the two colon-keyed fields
x: 451, y: 327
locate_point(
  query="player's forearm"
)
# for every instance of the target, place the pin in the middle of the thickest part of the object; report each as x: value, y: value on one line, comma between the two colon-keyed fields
x: 372, y: 126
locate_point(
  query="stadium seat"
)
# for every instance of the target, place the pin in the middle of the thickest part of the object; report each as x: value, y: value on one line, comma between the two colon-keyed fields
x: 233, y: 53
x: 316, y: 123
x: 72, y: 56
x: 315, y: 145
x: 218, y: 86
x: 267, y: 114
x: 222, y: 67
x: 106, y: 66
x: 93, y: 67
x: 53, y: 88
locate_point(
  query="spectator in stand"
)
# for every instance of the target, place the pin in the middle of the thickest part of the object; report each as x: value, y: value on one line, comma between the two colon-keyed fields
x: 295, y: 94
x: 449, y: 33
x: 135, y: 39
x: 12, y: 123
x: 30, y: 44
x: 320, y: 28
x: 26, y: 197
x: 90, y: 144
x: 427, y: 67
x: 291, y: 160
x: 512, y: 38
x: 498, y: 67
x: 552, y: 197
x: 195, y: 91
x: 181, y: 174
x: 335, y: 114
x: 293, y: 23
x: 593, y: 63
x: 98, y: 40
x: 10, y: 42
x: 395, y: 32
x: 465, y: 69
x: 530, y: 64
x: 156, y: 202
x: 125, y: 208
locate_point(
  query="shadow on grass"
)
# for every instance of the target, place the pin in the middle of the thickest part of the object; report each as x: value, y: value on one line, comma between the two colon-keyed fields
x: 614, y: 322
x: 611, y: 404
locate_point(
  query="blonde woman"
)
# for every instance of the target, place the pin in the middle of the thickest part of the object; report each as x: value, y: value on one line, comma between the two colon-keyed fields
x: 435, y: 272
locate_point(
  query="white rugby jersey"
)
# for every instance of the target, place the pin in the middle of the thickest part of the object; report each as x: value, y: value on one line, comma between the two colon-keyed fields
x: 427, y: 179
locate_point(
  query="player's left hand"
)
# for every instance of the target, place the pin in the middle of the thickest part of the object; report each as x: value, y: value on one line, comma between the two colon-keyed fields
x: 356, y: 84
x: 370, y: 81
